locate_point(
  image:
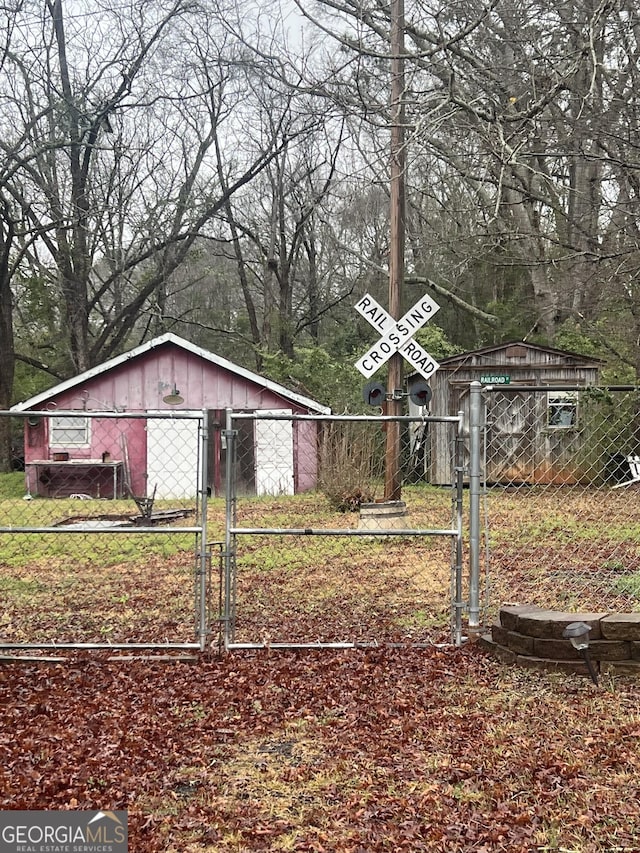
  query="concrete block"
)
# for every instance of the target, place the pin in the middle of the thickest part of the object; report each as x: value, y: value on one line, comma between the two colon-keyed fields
x: 519, y: 643
x: 549, y: 624
x: 555, y: 649
x: 566, y: 666
x: 499, y: 634
x: 510, y: 613
x: 500, y: 652
x: 610, y: 650
x: 621, y: 626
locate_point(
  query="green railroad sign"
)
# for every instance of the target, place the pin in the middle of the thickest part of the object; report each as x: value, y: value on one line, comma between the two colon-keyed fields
x: 495, y: 379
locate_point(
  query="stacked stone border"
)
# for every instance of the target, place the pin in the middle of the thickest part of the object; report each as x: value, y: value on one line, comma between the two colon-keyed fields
x: 530, y: 636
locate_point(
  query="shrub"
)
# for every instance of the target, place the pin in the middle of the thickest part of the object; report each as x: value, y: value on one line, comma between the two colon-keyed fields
x: 351, y: 464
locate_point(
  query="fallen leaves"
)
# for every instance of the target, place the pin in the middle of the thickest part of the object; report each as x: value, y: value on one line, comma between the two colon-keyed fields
x: 352, y: 751
x: 382, y: 750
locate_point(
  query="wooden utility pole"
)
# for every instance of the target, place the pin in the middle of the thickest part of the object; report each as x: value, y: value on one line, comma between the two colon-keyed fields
x: 393, y: 482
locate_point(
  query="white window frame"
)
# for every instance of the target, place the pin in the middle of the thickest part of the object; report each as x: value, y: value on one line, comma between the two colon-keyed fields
x: 559, y: 404
x: 71, y: 425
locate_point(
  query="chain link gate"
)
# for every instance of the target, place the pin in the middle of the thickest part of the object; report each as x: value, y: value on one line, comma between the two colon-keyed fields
x: 303, y: 571
x: 103, y: 532
x: 562, y: 479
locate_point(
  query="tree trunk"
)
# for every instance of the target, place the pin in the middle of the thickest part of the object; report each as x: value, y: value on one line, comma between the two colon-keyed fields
x: 7, y: 354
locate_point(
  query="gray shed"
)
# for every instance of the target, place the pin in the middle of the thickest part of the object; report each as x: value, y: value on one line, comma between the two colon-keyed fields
x: 530, y: 433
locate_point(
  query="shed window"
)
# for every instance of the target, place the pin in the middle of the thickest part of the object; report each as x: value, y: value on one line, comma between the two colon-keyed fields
x: 65, y: 431
x: 562, y: 409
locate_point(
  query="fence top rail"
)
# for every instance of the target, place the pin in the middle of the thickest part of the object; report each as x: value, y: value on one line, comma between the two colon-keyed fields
x: 506, y: 389
x: 106, y: 531
x: 199, y: 414
x: 444, y: 419
x: 340, y: 531
x: 96, y: 413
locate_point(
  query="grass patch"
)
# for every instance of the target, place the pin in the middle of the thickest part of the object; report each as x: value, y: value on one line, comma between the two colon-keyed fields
x: 558, y: 549
x: 629, y: 585
x: 104, y: 550
x: 12, y: 485
x: 12, y: 587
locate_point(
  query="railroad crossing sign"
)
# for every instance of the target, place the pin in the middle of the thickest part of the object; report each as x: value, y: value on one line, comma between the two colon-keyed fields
x: 397, y: 336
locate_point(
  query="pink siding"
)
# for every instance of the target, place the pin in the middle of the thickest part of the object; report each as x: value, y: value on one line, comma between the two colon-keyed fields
x: 121, y: 438
x: 305, y: 454
x: 139, y: 385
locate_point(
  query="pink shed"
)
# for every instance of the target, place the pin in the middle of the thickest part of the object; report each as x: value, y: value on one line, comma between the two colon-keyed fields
x: 139, y: 382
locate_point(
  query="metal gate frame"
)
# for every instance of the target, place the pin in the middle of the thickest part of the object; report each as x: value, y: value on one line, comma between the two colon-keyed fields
x: 455, y: 532
x: 203, y: 550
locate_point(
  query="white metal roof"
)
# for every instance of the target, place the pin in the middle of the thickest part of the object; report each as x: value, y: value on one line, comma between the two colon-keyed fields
x: 169, y: 338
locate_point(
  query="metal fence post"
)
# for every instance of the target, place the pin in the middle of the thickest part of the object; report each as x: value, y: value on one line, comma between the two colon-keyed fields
x: 475, y: 426
x: 458, y: 603
x: 229, y: 435
x: 204, y: 556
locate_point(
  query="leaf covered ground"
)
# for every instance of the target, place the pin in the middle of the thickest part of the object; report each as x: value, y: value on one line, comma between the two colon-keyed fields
x: 352, y: 751
x: 345, y: 751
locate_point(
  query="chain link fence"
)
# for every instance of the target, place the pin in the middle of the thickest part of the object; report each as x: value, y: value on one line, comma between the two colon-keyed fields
x: 103, y: 536
x: 562, y: 498
x: 115, y: 529
x: 309, y: 569
x: 106, y: 523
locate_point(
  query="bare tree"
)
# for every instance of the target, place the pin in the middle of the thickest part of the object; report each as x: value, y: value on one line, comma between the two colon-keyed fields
x: 275, y: 226
x: 107, y: 157
x: 521, y: 119
x: 107, y: 177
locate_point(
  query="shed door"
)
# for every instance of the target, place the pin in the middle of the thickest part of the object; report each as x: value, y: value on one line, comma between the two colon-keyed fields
x: 172, y: 457
x: 274, y: 454
x: 509, y: 451
x: 511, y: 431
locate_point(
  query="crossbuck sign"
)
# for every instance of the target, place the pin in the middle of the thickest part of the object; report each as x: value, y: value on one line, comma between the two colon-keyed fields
x: 397, y: 336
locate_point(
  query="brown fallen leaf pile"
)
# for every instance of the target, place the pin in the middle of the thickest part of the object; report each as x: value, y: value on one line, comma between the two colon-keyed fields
x: 351, y: 751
